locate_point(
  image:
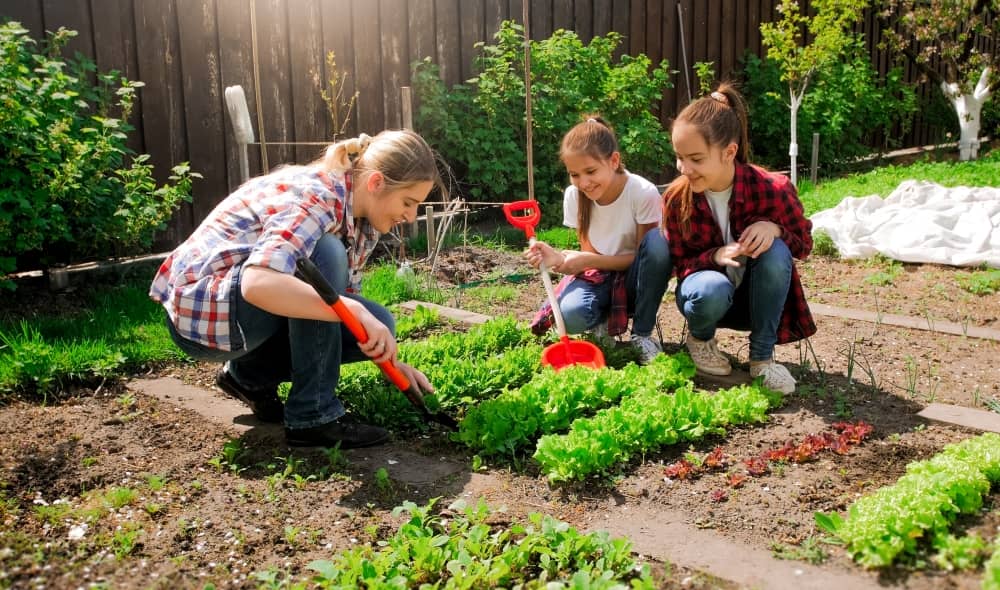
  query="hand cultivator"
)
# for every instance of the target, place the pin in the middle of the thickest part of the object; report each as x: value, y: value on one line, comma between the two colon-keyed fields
x: 525, y: 215
x: 310, y: 274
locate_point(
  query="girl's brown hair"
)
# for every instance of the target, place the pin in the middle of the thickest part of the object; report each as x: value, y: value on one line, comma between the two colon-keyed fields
x: 595, y: 138
x: 402, y: 156
x: 720, y: 118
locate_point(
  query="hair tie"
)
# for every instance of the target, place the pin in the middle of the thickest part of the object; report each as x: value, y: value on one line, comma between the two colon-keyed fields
x: 357, y: 146
x: 720, y: 97
x: 592, y: 120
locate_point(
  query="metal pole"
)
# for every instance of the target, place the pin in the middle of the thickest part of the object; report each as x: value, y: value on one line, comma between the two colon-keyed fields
x: 429, y: 214
x: 684, y: 55
x: 814, y: 164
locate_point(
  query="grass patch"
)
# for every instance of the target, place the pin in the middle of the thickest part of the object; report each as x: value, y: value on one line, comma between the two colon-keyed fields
x: 121, y: 331
x: 980, y: 282
x: 882, y: 181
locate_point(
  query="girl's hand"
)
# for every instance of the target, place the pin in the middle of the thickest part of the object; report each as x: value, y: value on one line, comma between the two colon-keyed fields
x: 728, y: 255
x: 381, y: 344
x: 757, y: 239
x: 415, y: 377
x: 541, y: 252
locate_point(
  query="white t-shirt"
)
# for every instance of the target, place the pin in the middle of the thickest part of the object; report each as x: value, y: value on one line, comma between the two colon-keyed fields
x: 613, y: 227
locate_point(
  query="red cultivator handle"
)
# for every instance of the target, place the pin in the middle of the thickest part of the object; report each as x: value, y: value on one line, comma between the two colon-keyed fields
x: 525, y: 215
x: 308, y: 272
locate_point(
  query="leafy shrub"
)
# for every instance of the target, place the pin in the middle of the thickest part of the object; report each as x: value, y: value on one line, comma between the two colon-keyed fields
x: 823, y: 245
x: 980, y: 282
x: 69, y: 187
x: 853, y: 111
x: 479, y: 126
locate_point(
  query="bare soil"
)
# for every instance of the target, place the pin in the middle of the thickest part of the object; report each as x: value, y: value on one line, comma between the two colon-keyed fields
x: 210, y: 525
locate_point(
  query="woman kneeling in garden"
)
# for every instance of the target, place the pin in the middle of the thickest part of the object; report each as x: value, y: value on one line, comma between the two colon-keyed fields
x: 231, y: 295
x: 734, y: 229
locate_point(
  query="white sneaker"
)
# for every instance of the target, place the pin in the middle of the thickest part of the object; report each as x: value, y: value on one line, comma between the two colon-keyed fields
x: 648, y: 348
x: 776, y: 376
x: 706, y: 356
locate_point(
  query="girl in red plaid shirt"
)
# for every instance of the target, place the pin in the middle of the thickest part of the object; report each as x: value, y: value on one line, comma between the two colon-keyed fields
x: 734, y: 230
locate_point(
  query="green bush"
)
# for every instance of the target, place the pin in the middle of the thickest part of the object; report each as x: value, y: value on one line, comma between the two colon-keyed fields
x: 479, y: 126
x: 70, y: 189
x: 854, y: 112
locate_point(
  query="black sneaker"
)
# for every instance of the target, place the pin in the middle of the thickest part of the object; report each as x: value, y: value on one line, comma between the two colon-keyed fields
x: 346, y: 432
x: 265, y: 405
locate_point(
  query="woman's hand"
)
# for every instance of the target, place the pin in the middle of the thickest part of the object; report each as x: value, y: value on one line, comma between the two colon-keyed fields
x: 381, y: 345
x: 415, y: 377
x: 758, y: 237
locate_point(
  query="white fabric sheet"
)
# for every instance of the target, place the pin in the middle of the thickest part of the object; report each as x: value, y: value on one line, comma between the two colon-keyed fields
x: 919, y: 222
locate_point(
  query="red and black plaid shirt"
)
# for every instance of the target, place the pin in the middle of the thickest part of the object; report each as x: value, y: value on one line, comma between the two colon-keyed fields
x: 757, y: 195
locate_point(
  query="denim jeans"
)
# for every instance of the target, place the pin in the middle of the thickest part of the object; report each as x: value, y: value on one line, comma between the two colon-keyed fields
x: 585, y: 304
x: 708, y: 300
x: 269, y: 349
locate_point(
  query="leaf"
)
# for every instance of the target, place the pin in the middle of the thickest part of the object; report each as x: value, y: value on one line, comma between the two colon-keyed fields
x: 830, y: 523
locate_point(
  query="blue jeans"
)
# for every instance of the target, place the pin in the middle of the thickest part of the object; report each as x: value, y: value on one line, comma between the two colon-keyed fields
x: 585, y: 304
x: 269, y: 349
x: 708, y: 300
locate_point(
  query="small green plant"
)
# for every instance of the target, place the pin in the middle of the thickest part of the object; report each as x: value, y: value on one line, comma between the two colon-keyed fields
x: 232, y: 451
x: 823, y: 245
x: 810, y: 550
x: 980, y: 282
x: 383, y: 482
x: 705, y: 72
x: 120, y: 497
x: 887, y: 276
x: 338, y: 106
x: 960, y: 553
x: 124, y: 540
x: 88, y: 462
x: 156, y: 482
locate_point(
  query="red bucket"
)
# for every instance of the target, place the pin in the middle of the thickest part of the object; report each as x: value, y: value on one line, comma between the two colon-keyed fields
x: 572, y: 352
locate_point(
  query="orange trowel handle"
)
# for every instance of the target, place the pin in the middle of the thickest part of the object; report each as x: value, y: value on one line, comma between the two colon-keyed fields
x: 309, y: 272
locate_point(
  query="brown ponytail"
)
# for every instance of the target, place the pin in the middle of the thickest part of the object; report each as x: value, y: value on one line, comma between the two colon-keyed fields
x: 721, y: 118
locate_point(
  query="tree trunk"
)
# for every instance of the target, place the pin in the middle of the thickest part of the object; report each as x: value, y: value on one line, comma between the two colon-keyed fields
x: 968, y: 108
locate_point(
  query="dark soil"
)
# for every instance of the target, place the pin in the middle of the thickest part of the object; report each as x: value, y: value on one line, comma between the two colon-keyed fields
x: 208, y: 524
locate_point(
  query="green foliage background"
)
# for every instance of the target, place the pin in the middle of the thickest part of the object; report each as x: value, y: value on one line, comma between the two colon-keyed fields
x: 70, y: 188
x: 479, y: 126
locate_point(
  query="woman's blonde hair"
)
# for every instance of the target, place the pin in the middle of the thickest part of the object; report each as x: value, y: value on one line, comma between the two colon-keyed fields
x: 721, y: 119
x: 592, y: 137
x: 401, y: 156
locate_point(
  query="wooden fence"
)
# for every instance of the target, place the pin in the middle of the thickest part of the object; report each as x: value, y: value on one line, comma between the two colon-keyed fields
x: 188, y: 51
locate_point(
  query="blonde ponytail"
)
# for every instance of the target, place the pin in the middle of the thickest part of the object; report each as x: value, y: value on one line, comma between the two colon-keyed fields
x: 342, y: 155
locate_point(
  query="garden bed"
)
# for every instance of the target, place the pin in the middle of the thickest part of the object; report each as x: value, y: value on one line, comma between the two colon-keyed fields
x: 201, y: 515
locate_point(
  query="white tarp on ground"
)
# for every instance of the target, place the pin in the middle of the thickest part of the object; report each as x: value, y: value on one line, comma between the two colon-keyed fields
x: 919, y: 222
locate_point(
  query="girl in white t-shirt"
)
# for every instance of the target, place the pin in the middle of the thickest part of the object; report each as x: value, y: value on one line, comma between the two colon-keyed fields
x: 623, y: 265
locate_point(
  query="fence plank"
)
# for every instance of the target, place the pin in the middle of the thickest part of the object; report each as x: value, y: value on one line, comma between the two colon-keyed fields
x: 395, y: 61
x: 158, y: 47
x: 603, y: 14
x: 26, y: 12
x: 729, y: 26
x: 338, y: 37
x: 448, y: 31
x: 275, y: 81
x: 471, y: 31
x: 620, y: 23
x: 236, y: 69
x: 562, y: 14
x: 311, y: 120
x: 670, y: 44
x: 541, y: 19
x: 203, y: 108
x: 114, y: 46
x: 75, y: 15
x: 583, y: 19
x: 637, y: 27
x: 496, y: 11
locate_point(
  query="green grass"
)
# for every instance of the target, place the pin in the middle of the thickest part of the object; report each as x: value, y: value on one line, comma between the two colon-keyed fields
x: 882, y: 181
x: 121, y: 331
